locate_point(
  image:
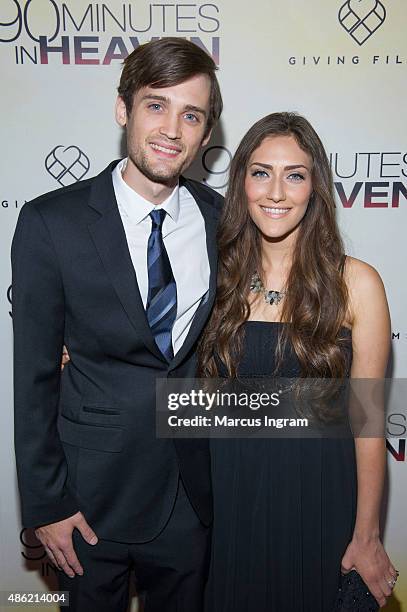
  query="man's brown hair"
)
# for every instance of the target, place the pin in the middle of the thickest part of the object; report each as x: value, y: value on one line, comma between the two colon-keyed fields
x: 167, y: 62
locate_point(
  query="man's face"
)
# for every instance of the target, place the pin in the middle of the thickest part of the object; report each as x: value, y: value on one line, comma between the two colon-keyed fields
x: 166, y: 128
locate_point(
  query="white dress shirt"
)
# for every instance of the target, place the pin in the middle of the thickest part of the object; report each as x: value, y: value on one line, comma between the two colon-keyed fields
x: 184, y: 239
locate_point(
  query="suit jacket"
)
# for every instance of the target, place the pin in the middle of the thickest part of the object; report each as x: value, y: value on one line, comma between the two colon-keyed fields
x: 85, y: 440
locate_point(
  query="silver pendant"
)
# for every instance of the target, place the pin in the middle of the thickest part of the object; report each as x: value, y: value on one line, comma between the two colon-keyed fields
x: 271, y: 297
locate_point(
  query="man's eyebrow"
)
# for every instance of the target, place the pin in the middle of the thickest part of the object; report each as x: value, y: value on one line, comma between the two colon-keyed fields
x: 269, y: 167
x: 188, y: 107
x: 197, y: 109
x: 155, y: 97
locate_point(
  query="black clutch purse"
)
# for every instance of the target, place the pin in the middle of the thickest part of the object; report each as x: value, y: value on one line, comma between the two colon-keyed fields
x: 354, y: 595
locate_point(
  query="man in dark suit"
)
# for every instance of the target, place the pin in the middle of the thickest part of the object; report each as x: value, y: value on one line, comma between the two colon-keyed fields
x: 121, y: 269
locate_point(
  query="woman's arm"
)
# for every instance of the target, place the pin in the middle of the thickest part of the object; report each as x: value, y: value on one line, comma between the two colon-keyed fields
x: 370, y: 319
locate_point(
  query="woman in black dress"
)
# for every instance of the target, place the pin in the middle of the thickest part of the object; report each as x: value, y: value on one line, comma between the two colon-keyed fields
x: 290, y: 514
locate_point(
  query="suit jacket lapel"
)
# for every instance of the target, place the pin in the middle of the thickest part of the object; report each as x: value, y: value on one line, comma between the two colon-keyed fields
x: 110, y: 241
x: 211, y: 217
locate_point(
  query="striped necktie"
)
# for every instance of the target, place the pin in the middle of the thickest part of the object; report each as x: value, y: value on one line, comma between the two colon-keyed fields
x: 161, y: 308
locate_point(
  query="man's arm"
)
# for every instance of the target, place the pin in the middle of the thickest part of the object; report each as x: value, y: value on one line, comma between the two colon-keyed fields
x: 39, y: 321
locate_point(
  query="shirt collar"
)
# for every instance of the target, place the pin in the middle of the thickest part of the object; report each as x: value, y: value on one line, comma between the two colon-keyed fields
x: 134, y: 205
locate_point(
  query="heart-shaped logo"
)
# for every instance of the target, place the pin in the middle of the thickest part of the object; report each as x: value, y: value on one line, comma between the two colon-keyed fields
x: 361, y: 18
x: 362, y: 8
x: 68, y: 165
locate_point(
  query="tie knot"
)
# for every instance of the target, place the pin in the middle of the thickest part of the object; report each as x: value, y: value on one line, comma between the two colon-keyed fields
x: 157, y: 217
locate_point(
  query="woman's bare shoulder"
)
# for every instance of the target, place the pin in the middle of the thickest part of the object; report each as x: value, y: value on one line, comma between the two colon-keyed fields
x: 365, y: 286
x: 358, y: 271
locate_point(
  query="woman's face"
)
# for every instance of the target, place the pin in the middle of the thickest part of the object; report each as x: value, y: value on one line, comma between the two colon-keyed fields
x: 278, y: 186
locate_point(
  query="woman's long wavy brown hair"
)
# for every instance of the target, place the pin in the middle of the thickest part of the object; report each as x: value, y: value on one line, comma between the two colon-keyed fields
x: 315, y: 304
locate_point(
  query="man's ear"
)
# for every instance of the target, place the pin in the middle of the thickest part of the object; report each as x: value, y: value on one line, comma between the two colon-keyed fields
x: 207, y: 138
x: 120, y: 111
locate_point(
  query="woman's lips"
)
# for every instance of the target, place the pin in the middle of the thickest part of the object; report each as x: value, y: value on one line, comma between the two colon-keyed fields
x: 275, y: 212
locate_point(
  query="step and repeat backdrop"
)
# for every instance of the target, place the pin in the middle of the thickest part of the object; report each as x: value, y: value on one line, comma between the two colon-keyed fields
x: 341, y: 64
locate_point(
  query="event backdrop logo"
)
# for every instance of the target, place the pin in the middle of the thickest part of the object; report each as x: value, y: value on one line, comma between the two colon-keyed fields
x: 361, y: 18
x: 96, y: 34
x: 67, y: 166
x: 372, y: 179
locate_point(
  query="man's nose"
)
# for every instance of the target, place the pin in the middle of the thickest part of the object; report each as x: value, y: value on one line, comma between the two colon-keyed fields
x: 171, y: 126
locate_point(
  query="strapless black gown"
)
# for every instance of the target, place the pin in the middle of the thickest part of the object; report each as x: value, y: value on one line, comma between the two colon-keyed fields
x: 284, y: 508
